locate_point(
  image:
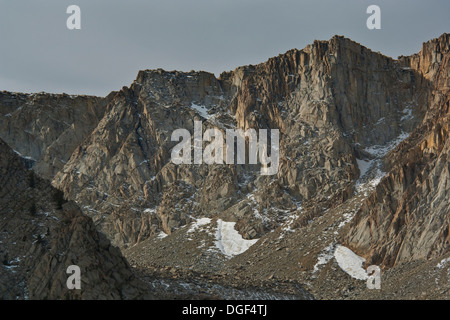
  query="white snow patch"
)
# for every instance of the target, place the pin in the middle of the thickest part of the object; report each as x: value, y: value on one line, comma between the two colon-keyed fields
x: 443, y: 262
x: 440, y: 266
x: 380, y: 151
x: 324, y: 257
x: 151, y: 179
x: 289, y: 220
x: 229, y: 241
x: 407, y: 114
x: 197, y: 224
x: 376, y: 180
x: 10, y: 268
x: 202, y: 110
x: 363, y: 166
x: 370, y: 177
x: 150, y: 210
x: 381, y: 120
x: 350, y: 262
x: 162, y: 235
x: 348, y: 216
x: 253, y: 203
x: 22, y: 156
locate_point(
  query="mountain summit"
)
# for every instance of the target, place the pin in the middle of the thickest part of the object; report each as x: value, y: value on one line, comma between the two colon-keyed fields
x: 363, y: 172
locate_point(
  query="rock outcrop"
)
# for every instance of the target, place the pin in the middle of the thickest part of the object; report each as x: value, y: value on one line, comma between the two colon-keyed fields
x: 330, y: 101
x: 363, y: 163
x: 46, y: 128
x: 41, y: 237
x: 407, y: 217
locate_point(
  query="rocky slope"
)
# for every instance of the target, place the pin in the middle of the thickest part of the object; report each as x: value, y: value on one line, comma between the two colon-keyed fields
x: 39, y: 240
x: 46, y: 128
x: 363, y: 163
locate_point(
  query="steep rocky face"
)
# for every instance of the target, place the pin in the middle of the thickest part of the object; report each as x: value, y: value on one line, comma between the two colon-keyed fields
x: 46, y: 128
x: 39, y: 242
x: 332, y: 100
x: 407, y: 217
x: 123, y: 168
x: 329, y: 101
x: 363, y: 163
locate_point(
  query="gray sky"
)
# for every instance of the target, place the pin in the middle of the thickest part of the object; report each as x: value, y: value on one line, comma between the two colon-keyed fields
x: 119, y: 38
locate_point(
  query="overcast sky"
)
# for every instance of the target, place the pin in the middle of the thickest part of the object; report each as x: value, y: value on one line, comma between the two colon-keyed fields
x: 119, y: 38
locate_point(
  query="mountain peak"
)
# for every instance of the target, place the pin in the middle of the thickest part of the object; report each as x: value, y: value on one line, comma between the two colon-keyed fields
x: 362, y: 171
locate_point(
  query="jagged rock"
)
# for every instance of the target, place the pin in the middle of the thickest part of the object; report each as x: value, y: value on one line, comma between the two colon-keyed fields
x: 318, y: 97
x: 363, y: 161
x: 37, y: 246
x: 407, y: 218
x: 48, y: 127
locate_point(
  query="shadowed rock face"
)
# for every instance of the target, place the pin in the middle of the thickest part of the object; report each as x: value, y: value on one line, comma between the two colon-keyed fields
x: 39, y: 241
x: 363, y: 152
x: 47, y: 128
x: 407, y: 217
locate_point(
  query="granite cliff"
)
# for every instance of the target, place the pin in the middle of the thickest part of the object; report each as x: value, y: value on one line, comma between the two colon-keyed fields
x: 363, y: 166
x: 41, y: 236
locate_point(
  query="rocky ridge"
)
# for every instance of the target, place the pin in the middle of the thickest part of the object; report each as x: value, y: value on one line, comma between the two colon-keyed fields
x: 407, y: 217
x: 363, y: 163
x: 46, y: 128
x: 40, y: 237
x: 324, y: 112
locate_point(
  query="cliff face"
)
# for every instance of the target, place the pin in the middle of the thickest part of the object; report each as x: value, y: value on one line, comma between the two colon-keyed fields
x: 333, y: 100
x: 47, y: 128
x: 39, y: 241
x: 123, y: 168
x: 363, y: 160
x: 330, y: 101
x: 407, y: 217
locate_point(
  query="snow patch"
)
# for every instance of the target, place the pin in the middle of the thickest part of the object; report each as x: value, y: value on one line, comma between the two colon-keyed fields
x: 370, y: 177
x: 363, y: 166
x: 229, y: 241
x: 325, y: 256
x: 350, y: 262
x: 253, y: 204
x: 161, y: 235
x: 441, y: 265
x: 443, y: 262
x: 150, y: 210
x: 382, y: 150
x: 22, y: 156
x: 407, y: 114
x: 202, y: 110
x: 376, y: 180
x: 348, y: 216
x: 198, y: 223
x: 381, y: 120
